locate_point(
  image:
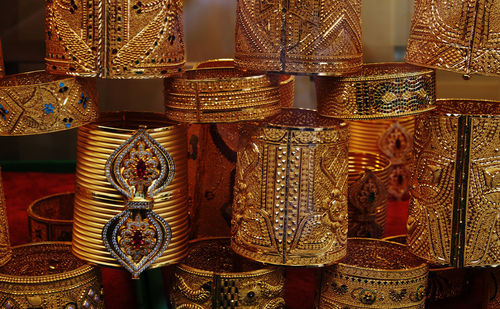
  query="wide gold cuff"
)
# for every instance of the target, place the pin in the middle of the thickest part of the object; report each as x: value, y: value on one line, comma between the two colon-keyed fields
x: 290, y: 203
x: 307, y: 38
x: 378, y: 90
x: 99, y: 202
x: 51, y: 218
x: 221, y: 95
x: 453, y: 215
x: 367, y: 207
x: 114, y: 39
x: 375, y: 274
x: 47, y: 275
x: 458, y: 35
x: 37, y: 102
x: 5, y: 249
x: 213, y: 276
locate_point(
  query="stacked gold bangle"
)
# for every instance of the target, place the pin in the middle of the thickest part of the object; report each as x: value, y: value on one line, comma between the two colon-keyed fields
x: 378, y: 90
x: 221, y: 95
x: 453, y: 216
x: 51, y: 218
x: 37, y: 102
x: 368, y: 180
x: 97, y: 201
x: 375, y: 274
x: 5, y: 249
x: 290, y: 203
x: 212, y: 276
x: 47, y: 275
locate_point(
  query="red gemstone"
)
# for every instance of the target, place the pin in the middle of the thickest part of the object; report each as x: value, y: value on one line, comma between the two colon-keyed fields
x: 141, y: 169
x: 137, y: 239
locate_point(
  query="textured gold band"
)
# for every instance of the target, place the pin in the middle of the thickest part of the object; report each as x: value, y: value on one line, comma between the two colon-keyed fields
x: 290, y: 204
x: 221, y: 95
x: 5, y: 249
x: 37, y: 102
x: 375, y: 274
x: 455, y: 201
x: 47, y: 275
x: 368, y: 180
x: 212, y: 276
x: 114, y: 39
x: 378, y: 90
x: 51, y: 218
x: 97, y: 201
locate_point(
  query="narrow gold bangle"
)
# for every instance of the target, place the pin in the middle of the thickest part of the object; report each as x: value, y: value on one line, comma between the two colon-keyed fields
x: 5, y: 248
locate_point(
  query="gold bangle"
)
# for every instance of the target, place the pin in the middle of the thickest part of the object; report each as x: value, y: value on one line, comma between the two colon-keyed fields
x: 114, y: 40
x: 5, y: 249
x: 367, y: 203
x: 375, y: 274
x: 50, y: 218
x: 37, y: 102
x: 310, y: 38
x: 379, y: 90
x: 102, y: 190
x: 221, y: 95
x: 458, y: 36
x: 454, y: 207
x: 290, y: 203
x: 47, y: 275
x: 211, y: 277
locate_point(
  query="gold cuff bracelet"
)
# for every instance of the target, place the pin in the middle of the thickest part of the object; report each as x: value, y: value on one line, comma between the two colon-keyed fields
x: 51, y: 218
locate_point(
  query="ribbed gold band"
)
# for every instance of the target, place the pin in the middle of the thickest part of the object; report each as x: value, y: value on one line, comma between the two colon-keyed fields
x: 5, y: 249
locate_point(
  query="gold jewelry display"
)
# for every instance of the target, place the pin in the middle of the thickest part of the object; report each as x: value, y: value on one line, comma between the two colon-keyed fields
x: 46, y: 275
x: 455, y: 189
x: 131, y: 192
x: 367, y: 202
x: 457, y: 35
x: 5, y: 249
x: 37, y: 102
x: 114, y: 39
x: 378, y: 90
x: 212, y: 276
x: 392, y: 138
x: 302, y: 37
x: 221, y: 95
x: 375, y: 274
x: 290, y: 203
x: 51, y: 218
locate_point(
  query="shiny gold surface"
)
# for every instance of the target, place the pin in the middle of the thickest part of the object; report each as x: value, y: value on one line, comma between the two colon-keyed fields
x: 290, y: 204
x: 5, y: 249
x: 455, y: 201
x: 213, y: 276
x: 114, y: 39
x: 375, y: 274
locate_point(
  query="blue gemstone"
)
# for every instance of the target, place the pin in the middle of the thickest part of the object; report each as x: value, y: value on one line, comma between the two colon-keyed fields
x: 67, y: 125
x: 61, y: 84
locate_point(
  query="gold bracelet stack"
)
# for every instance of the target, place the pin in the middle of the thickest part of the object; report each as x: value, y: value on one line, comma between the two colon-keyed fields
x: 375, y: 274
x: 5, y: 249
x: 212, y: 276
x: 313, y: 37
x: 114, y: 39
x: 367, y: 202
x: 455, y: 201
x: 47, y: 275
x: 37, y: 102
x: 378, y: 90
x: 290, y: 203
x: 51, y: 218
x: 392, y: 138
x: 221, y: 95
x: 116, y: 156
x: 458, y: 35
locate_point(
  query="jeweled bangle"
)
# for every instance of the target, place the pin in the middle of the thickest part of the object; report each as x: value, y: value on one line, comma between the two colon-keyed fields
x: 5, y: 249
x: 112, y: 39
x: 46, y: 275
x: 37, y: 102
x: 108, y: 170
x: 454, y: 207
x: 375, y: 274
x: 459, y: 35
x: 290, y: 199
x: 213, y: 276
x: 367, y: 202
x: 51, y: 218
x: 378, y: 90
x: 310, y: 38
